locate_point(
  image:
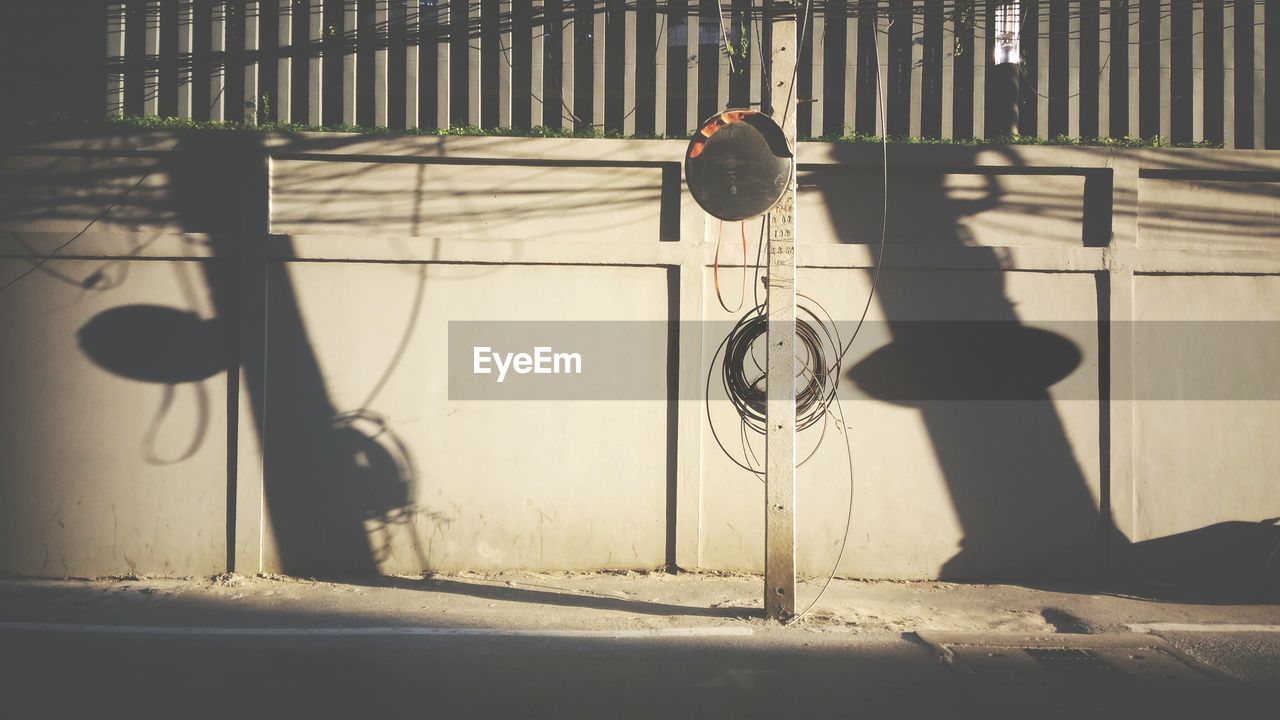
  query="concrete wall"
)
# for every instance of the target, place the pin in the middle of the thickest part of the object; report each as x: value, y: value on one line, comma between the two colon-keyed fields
x: 243, y: 364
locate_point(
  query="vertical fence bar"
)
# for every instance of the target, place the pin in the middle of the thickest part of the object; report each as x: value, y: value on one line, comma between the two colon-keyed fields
x: 816, y: 31
x: 1073, y: 74
x: 459, y: 60
x: 490, y: 60
x: 1044, y: 63
x: 413, y: 45
x: 115, y: 59
x: 962, y: 105
x: 623, y: 95
x: 1133, y: 86
x: 519, y: 40
x: 169, y: 58
x: 864, y: 114
x: 398, y: 48
x: 1166, y: 101
x: 804, y: 85
x: 662, y: 18
x: 506, y: 66
x: 599, y: 52
x: 1244, y: 13
x: 1149, y: 64
x: 849, y: 96
x: 583, y: 63
x: 350, y: 38
x: 429, y: 27
x: 883, y: 102
x: 301, y: 50
x: 816, y: 36
x: 982, y: 43
x: 367, y: 38
x: 1059, y: 69
x: 1230, y: 55
x: 315, y: 62
x: 553, y: 71
x: 1028, y: 85
x: 381, y: 99
x: 834, y: 68
x: 915, y: 104
x: 1090, y: 73
x: 707, y: 28
x: 218, y: 61
x: 1196, y: 83
x: 1105, y: 59
x: 1112, y: 59
x: 898, y: 83
x: 568, y: 89
x: 151, y: 59
x: 235, y: 92
x: 201, y: 58
x: 996, y: 112
x: 1214, y: 75
x: 436, y: 92
x: 1271, y: 80
x: 644, y: 83
x: 691, y: 65
x: 931, y: 69
x: 1181, y: 64
x: 135, y: 50
x: 948, y: 81
x: 1113, y: 66
x: 284, y: 62
x: 271, y: 47
x: 186, y: 54
x: 251, y: 94
x: 471, y: 47
x: 740, y: 51
x: 537, y: 54
x: 766, y: 58
x: 677, y: 84
x: 1259, y: 74
x: 330, y: 50
x: 722, y: 78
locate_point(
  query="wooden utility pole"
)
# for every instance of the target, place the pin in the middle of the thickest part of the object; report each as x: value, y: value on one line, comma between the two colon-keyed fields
x: 780, y: 436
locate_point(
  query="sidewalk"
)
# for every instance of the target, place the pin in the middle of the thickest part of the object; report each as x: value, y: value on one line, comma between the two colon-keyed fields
x: 601, y: 601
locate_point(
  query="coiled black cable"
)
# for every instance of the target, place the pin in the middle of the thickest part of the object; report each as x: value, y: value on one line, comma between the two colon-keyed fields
x: 743, y: 376
x: 742, y: 373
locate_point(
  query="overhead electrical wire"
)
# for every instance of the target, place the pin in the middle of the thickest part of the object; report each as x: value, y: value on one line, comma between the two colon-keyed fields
x: 106, y: 211
x: 715, y: 274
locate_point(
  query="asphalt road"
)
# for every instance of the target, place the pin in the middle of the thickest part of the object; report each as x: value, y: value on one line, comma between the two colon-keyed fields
x: 769, y: 674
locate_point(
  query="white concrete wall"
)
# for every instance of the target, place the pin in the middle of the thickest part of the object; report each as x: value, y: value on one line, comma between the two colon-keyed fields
x: 337, y: 293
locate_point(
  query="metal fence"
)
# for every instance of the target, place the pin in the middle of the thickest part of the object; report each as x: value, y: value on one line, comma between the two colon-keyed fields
x: 1186, y: 70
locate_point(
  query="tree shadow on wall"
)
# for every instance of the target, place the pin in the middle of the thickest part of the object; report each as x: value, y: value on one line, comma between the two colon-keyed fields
x: 327, y: 475
x: 980, y: 379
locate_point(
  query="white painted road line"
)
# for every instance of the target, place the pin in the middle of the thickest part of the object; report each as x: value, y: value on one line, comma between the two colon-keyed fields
x: 392, y: 631
x: 1205, y: 627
